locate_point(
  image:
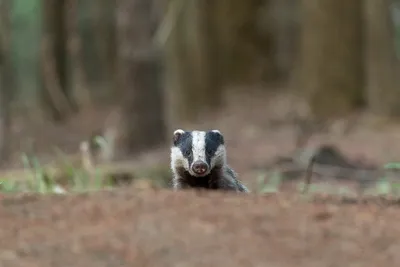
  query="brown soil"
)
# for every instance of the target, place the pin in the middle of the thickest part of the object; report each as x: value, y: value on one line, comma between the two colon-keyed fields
x: 163, y: 228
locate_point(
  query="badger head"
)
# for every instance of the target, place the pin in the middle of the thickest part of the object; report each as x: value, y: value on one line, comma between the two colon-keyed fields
x: 197, y: 152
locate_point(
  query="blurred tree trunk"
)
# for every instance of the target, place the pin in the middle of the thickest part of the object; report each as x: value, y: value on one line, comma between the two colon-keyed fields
x: 97, y: 25
x: 77, y: 75
x: 6, y: 80
x: 139, y: 71
x: 103, y: 26
x: 57, y: 99
x: 285, y: 21
x: 247, y: 32
x: 383, y: 68
x: 193, y: 81
x: 210, y: 45
x: 26, y: 19
x: 331, y: 60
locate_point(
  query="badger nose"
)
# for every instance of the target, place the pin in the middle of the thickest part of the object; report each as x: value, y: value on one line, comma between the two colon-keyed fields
x: 199, y: 167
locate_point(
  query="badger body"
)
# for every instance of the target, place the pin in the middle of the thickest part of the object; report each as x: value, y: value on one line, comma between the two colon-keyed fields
x: 198, y: 160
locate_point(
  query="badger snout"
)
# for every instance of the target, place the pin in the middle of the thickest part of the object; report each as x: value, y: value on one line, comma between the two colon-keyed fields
x: 199, y: 167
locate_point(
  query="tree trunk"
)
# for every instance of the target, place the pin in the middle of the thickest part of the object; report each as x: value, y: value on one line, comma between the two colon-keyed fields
x: 77, y: 75
x: 139, y: 71
x: 331, y: 64
x: 103, y: 30
x: 285, y: 21
x: 6, y: 80
x: 25, y: 36
x: 383, y: 68
x: 56, y: 96
x: 194, y: 75
x: 247, y: 49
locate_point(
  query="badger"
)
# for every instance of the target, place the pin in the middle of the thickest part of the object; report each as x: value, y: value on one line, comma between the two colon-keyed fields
x: 198, y: 160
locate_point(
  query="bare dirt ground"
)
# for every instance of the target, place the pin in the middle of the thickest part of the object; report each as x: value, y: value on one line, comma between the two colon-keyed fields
x: 127, y: 227
x: 163, y: 228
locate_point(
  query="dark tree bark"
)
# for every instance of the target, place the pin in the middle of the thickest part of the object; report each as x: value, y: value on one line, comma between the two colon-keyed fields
x: 246, y: 40
x: 194, y: 70
x: 6, y: 80
x: 383, y: 68
x: 139, y: 76
x: 57, y: 99
x: 103, y: 30
x: 77, y: 76
x: 285, y: 23
x: 211, y: 45
x: 331, y: 69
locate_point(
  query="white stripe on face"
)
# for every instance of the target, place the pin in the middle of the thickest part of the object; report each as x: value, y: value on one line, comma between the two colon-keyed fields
x: 199, y: 145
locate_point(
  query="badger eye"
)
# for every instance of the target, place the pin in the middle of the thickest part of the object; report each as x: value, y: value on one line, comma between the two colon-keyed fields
x: 209, y: 152
x: 188, y: 153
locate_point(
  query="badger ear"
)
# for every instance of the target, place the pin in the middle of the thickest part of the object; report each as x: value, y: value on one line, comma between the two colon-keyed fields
x: 177, y: 134
x: 218, y: 136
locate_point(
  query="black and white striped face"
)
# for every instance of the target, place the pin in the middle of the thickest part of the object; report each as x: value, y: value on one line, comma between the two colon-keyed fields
x: 198, y: 152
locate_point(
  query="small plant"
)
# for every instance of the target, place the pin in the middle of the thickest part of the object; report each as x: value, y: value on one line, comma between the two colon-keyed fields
x: 40, y: 180
x: 43, y: 181
x: 8, y: 186
x: 389, y: 184
x: 273, y: 184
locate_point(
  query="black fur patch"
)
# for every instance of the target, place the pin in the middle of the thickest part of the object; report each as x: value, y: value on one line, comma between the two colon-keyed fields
x: 184, y: 143
x: 209, y: 181
x: 213, y: 141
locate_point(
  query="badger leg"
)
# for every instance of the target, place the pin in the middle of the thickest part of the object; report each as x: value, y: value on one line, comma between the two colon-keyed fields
x: 243, y: 188
x: 227, y: 185
x: 232, y: 175
x: 224, y: 182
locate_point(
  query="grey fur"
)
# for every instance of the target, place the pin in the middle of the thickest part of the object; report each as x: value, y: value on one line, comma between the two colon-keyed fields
x: 241, y: 187
x: 219, y: 177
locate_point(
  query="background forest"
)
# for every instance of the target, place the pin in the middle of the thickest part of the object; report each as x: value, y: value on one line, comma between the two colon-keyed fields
x: 277, y: 77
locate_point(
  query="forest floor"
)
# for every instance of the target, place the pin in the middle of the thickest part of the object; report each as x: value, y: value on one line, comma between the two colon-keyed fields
x: 158, y: 227
x: 162, y: 228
